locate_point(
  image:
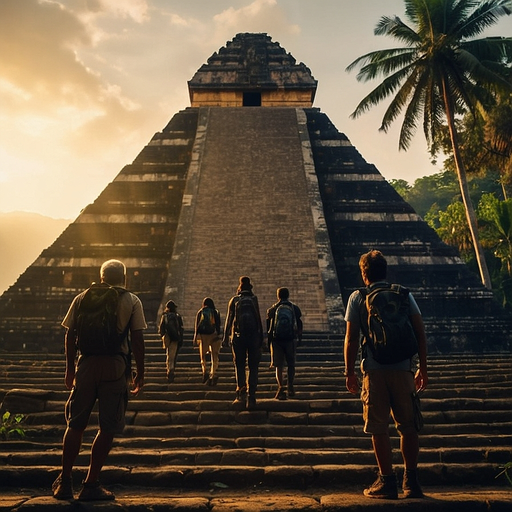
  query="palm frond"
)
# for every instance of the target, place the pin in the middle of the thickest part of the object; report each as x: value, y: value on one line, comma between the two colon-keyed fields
x: 434, y: 112
x: 406, y: 91
x: 393, y: 26
x: 495, y: 48
x: 386, y: 64
x: 382, y: 91
x: 484, y: 16
x: 490, y: 73
x: 377, y: 56
x: 413, y: 114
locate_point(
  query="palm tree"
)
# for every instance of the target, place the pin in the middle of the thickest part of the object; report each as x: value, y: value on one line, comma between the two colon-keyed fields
x: 440, y: 73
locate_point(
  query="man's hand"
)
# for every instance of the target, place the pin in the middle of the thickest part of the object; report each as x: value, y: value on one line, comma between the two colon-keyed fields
x: 352, y: 384
x: 69, y: 378
x: 137, y: 383
x: 421, y: 380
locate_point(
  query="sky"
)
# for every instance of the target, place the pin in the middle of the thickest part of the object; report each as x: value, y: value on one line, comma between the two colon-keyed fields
x: 84, y: 84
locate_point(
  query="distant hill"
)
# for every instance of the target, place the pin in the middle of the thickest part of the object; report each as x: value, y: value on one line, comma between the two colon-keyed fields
x: 23, y: 236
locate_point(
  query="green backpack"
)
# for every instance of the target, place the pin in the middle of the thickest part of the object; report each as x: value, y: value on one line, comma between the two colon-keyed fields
x: 96, y: 321
x: 206, y: 321
x: 386, y: 325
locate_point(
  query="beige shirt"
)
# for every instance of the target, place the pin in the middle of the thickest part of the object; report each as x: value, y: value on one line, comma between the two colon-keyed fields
x: 129, y: 312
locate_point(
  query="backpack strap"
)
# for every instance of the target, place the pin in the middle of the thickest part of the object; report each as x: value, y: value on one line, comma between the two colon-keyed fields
x: 363, y: 317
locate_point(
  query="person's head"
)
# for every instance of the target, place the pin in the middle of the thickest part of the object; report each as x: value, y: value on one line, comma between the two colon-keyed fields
x: 171, y: 306
x: 244, y: 284
x: 283, y: 293
x: 208, y: 303
x: 113, y: 272
x: 373, y: 267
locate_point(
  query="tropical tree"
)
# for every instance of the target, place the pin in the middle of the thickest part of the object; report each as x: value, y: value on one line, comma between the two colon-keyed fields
x: 498, y: 136
x: 486, y: 144
x: 440, y: 73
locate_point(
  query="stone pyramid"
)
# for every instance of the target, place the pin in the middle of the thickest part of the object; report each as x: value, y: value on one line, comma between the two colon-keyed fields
x: 251, y: 179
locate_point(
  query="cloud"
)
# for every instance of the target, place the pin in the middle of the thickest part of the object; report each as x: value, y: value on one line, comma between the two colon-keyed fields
x: 37, y: 43
x: 84, y: 84
x: 43, y: 73
x: 137, y: 10
x: 259, y: 16
x: 64, y: 117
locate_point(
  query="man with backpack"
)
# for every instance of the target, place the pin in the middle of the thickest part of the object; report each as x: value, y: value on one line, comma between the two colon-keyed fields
x: 284, y: 328
x: 386, y: 315
x: 171, y: 331
x: 104, y: 326
x: 244, y: 329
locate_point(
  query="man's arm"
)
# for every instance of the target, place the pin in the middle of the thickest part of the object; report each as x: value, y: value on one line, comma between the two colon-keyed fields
x: 270, y: 322
x: 228, y: 324
x: 161, y: 326
x: 298, y: 319
x: 70, y: 351
x: 196, y: 325
x: 421, y: 377
x: 350, y: 351
x: 138, y: 349
x: 258, y: 316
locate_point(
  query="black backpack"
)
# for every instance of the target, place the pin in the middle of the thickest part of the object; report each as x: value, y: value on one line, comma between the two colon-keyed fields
x: 386, y: 325
x: 96, y: 321
x: 285, y: 323
x: 206, y: 321
x: 246, y: 318
x: 172, y: 326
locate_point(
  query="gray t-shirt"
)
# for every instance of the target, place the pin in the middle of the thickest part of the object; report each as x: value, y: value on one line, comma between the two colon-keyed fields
x: 352, y: 315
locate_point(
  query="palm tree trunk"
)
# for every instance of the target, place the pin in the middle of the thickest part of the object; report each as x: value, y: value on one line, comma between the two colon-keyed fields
x: 464, y: 189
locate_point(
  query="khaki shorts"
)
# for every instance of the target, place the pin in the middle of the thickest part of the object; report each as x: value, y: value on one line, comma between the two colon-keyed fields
x: 102, y: 379
x: 281, y: 352
x: 384, y: 392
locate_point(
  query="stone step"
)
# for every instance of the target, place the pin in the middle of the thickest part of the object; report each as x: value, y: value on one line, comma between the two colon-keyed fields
x: 217, y: 497
x: 186, y: 431
x: 287, y: 476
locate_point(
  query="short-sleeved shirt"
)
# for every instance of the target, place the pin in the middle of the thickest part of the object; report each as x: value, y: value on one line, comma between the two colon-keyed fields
x: 129, y: 311
x: 353, y: 315
x: 271, y: 313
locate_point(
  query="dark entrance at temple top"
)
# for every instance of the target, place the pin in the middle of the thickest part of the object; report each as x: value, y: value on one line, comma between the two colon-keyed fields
x: 252, y: 99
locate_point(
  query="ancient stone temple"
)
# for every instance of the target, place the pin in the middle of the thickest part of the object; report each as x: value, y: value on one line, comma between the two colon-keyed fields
x: 251, y: 179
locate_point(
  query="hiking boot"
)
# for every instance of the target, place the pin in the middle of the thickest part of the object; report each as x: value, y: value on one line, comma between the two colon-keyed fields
x: 291, y: 390
x: 212, y: 381
x: 383, y: 488
x: 411, y: 486
x: 206, y: 376
x: 170, y: 376
x: 281, y: 394
x: 95, y: 492
x: 240, y: 396
x: 251, y: 403
x: 63, y: 488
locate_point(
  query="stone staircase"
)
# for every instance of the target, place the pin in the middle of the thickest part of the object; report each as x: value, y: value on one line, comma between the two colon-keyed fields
x: 186, y: 435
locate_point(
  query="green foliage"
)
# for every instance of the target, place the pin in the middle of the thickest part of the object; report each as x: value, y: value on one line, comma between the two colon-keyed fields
x: 495, y: 225
x: 437, y: 191
x: 11, y: 425
x: 506, y: 468
x: 485, y: 143
x: 452, y: 227
x: 402, y: 187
